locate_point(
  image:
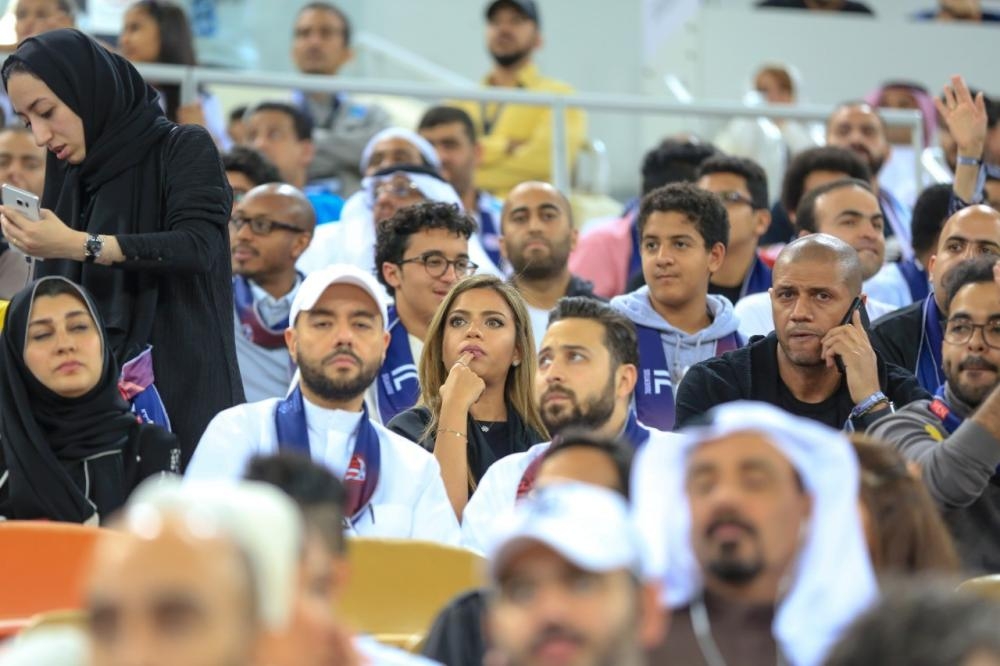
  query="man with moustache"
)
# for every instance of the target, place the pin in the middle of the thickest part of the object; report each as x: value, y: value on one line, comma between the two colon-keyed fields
x: 587, y: 369
x: 537, y: 236
x: 911, y: 337
x: 270, y: 228
x: 812, y: 364
x: 421, y: 251
x: 516, y: 139
x: 336, y: 335
x: 321, y: 44
x: 955, y: 438
x: 752, y: 527
x: 846, y: 209
x: 857, y: 126
x: 567, y: 583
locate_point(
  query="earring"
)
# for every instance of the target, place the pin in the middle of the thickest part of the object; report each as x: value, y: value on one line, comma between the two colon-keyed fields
x: 516, y: 363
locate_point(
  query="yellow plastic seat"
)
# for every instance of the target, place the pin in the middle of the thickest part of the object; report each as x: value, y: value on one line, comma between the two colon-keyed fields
x: 397, y: 587
x: 986, y: 587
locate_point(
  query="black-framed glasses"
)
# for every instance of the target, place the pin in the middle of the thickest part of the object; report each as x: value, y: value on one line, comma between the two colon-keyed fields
x: 960, y: 330
x: 731, y: 197
x: 262, y: 226
x: 437, y: 265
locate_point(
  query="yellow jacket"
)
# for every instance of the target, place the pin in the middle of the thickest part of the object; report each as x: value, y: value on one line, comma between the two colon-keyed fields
x: 518, y: 145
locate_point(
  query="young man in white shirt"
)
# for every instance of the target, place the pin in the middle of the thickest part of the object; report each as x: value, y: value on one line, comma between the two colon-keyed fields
x: 337, y: 338
x: 587, y: 369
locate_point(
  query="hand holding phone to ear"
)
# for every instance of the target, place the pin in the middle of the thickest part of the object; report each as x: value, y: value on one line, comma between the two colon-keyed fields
x: 850, y: 343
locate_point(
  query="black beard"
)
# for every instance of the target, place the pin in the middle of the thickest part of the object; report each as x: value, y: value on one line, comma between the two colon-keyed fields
x: 335, y: 390
x: 735, y: 572
x: 507, y: 60
x: 598, y: 411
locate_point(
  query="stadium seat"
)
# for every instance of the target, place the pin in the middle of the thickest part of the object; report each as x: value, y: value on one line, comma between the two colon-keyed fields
x: 397, y: 587
x: 43, y: 566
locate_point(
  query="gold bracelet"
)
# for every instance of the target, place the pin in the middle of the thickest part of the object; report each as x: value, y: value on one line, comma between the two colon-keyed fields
x: 454, y: 432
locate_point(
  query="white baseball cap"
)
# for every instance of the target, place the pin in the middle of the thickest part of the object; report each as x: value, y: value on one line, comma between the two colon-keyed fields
x: 588, y: 525
x: 319, y: 281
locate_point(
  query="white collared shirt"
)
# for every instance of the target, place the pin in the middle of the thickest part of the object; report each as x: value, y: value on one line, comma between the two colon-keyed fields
x: 497, y: 491
x: 409, y: 502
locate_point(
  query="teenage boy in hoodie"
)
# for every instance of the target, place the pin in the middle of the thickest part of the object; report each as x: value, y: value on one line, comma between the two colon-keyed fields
x: 683, y: 233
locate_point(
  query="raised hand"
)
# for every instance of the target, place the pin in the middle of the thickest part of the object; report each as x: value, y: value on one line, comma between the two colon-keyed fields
x: 964, y: 116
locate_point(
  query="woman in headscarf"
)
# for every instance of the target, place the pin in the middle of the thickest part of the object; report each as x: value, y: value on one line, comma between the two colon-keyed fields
x: 70, y: 448
x: 135, y: 209
x: 477, y: 378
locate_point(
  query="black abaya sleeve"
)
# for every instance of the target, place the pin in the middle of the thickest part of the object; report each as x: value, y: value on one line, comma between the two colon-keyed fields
x: 195, y: 210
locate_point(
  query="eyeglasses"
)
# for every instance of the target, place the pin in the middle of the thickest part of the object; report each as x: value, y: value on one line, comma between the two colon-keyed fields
x: 960, y: 331
x: 397, y: 189
x: 736, y: 198
x: 261, y: 226
x: 436, y: 265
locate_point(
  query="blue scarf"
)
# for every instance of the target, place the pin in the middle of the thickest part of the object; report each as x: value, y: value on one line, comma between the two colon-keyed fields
x: 398, y: 384
x: 654, y: 392
x: 251, y: 325
x: 928, y: 368
x: 489, y: 235
x: 916, y: 279
x: 758, y: 279
x: 635, y: 434
x: 939, y: 408
x: 361, y: 478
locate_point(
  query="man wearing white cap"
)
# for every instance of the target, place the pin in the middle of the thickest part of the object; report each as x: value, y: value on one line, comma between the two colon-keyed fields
x: 566, y: 571
x: 337, y: 338
x: 586, y: 374
x: 752, y: 524
x: 200, y: 574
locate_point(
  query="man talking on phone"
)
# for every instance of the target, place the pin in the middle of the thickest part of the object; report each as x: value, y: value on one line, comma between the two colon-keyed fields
x: 818, y: 362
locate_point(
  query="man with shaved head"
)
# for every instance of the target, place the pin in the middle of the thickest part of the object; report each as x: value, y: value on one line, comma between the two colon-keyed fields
x: 818, y: 362
x: 536, y: 236
x: 911, y: 337
x: 270, y: 229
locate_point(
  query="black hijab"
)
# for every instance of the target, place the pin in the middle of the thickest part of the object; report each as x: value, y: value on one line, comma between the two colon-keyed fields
x: 105, y: 193
x: 43, y: 433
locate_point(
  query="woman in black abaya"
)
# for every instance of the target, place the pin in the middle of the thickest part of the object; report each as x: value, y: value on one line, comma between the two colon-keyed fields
x: 70, y: 448
x: 135, y: 209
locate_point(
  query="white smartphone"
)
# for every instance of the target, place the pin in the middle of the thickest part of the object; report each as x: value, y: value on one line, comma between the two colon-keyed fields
x: 22, y: 201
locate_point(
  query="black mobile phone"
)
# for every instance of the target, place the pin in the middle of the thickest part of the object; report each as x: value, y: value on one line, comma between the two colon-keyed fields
x: 856, y: 305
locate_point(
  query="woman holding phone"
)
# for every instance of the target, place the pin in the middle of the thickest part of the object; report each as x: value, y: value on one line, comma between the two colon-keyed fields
x: 135, y: 210
x: 477, y: 378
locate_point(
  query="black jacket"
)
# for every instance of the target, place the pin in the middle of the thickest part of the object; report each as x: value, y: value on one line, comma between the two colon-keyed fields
x: 751, y: 373
x: 108, y: 479
x: 896, y: 336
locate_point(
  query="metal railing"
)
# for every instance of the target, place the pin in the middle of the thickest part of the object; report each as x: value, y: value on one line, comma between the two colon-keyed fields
x: 189, y: 78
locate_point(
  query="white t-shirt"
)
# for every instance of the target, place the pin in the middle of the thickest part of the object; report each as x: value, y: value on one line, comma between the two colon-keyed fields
x: 409, y: 502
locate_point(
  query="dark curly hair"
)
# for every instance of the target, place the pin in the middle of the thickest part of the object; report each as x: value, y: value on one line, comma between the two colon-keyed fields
x: 702, y: 208
x: 393, y: 235
x: 825, y: 158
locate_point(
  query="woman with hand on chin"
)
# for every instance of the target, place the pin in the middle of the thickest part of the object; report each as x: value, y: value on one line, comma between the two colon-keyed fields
x: 70, y: 448
x: 477, y: 378
x: 135, y: 209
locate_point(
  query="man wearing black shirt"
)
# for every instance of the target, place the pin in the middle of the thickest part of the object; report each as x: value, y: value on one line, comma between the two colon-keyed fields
x: 816, y: 281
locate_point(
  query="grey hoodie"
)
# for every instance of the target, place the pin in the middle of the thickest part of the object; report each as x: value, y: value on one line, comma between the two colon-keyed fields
x: 681, y: 349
